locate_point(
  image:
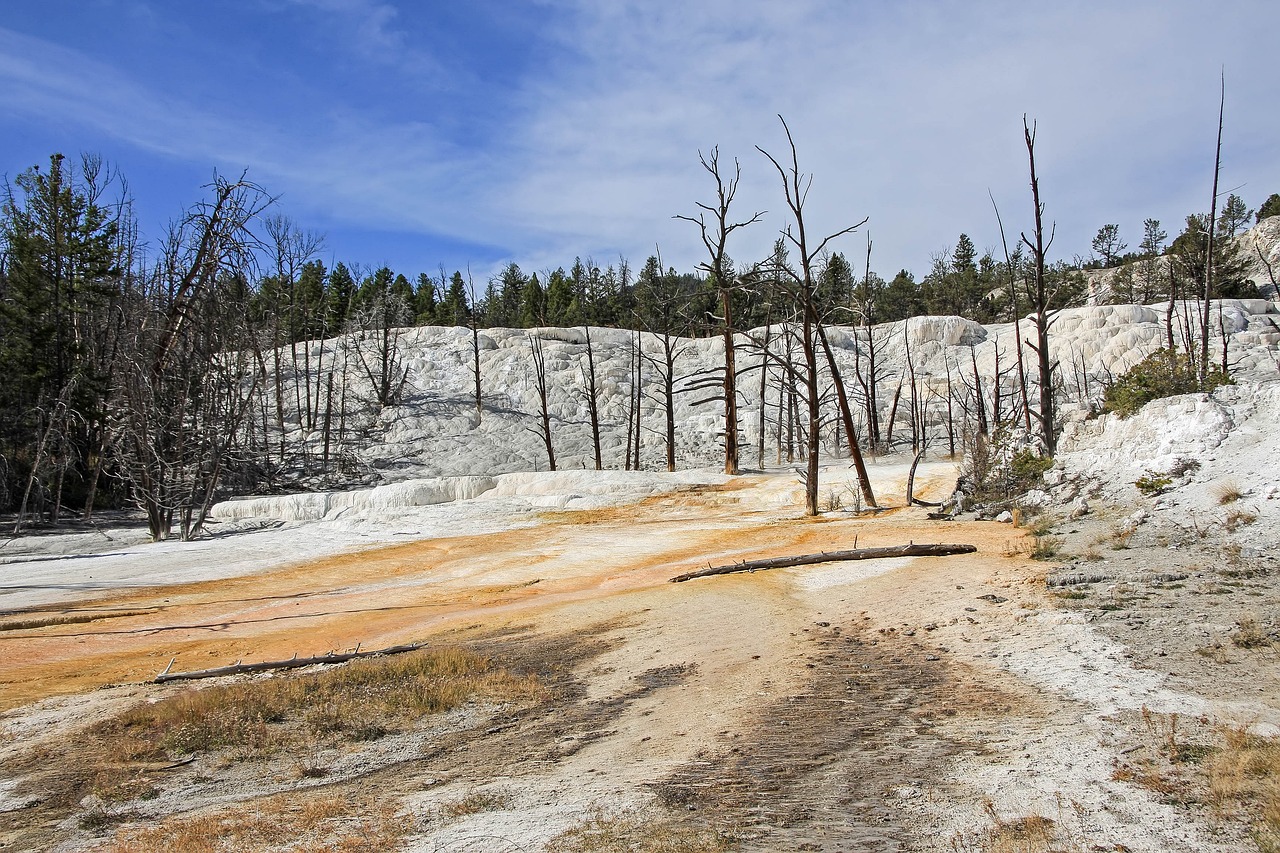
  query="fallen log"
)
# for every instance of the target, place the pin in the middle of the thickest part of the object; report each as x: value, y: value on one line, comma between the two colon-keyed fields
x: 909, y: 550
x: 292, y: 663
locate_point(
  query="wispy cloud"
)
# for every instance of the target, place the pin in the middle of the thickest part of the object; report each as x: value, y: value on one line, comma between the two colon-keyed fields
x: 906, y: 112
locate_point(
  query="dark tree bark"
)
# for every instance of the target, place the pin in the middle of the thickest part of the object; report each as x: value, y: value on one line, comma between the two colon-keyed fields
x: 540, y: 382
x: 715, y: 237
x: 795, y: 186
x: 1047, y: 416
x: 911, y: 550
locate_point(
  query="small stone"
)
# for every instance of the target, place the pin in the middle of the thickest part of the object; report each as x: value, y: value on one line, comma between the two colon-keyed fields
x: 1005, y: 517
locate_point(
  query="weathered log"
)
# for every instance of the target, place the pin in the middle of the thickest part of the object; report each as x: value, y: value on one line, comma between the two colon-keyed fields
x: 292, y: 663
x: 909, y: 550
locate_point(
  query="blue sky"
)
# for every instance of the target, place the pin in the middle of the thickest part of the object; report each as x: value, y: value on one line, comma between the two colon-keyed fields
x: 417, y: 134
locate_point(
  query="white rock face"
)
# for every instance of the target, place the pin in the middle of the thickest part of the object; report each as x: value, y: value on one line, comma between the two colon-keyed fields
x: 437, y: 447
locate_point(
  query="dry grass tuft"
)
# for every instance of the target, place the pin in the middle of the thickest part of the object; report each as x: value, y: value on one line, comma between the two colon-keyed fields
x: 1244, y: 777
x: 263, y: 717
x: 1046, y: 547
x: 1249, y: 634
x: 293, y: 823
x: 1227, y: 491
x: 1237, y: 518
x: 71, y: 619
x: 362, y: 700
x: 1031, y: 834
x: 477, y: 801
x: 637, y: 834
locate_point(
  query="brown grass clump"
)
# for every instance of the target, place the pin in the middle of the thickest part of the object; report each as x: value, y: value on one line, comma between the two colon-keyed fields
x: 477, y: 801
x: 1244, y: 776
x: 1031, y: 834
x: 68, y: 619
x: 114, y: 760
x: 637, y: 834
x: 1237, y: 518
x: 294, y: 823
x: 1249, y: 634
x: 1227, y: 491
x: 362, y: 700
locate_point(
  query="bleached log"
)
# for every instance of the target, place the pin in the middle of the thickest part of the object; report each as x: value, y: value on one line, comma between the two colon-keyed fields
x: 909, y: 550
x: 292, y: 663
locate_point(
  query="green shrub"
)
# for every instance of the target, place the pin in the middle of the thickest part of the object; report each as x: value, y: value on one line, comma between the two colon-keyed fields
x: 1152, y: 484
x: 1027, y: 468
x: 1159, y: 375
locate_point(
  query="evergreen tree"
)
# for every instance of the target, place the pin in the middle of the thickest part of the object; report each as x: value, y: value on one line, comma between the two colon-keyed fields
x: 339, y: 296
x: 454, y: 309
x: 533, y: 304
x: 424, y: 300
x: 1189, y: 252
x: 1234, y: 217
x: 1270, y: 207
x: 1150, y: 280
x: 310, y: 296
x: 1108, y: 246
x: 59, y: 279
x: 900, y: 299
x: 560, y: 297
x: 834, y: 292
x: 504, y: 298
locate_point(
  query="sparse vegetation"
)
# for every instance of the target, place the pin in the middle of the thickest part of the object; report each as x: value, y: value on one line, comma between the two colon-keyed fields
x: 354, y: 702
x: 1244, y: 777
x: 476, y: 801
x: 1030, y: 834
x: 1159, y: 375
x: 1153, y: 484
x: 1237, y: 518
x: 1249, y: 634
x: 1000, y: 472
x: 1046, y: 547
x: 295, y: 823
x: 1227, y: 491
x: 635, y: 833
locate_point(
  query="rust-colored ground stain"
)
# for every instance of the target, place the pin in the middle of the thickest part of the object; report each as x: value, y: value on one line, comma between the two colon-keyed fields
x: 412, y: 591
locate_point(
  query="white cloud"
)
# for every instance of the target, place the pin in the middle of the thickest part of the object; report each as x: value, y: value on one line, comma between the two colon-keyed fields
x: 904, y: 112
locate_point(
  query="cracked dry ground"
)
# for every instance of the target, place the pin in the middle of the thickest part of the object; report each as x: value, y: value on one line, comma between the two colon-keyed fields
x: 787, y: 709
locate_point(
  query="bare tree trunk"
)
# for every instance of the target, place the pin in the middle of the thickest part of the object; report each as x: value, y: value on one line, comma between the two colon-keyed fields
x: 1047, y: 414
x: 795, y: 188
x: 715, y: 238
x: 540, y: 382
x: 764, y: 385
x: 592, y: 404
x: 864, y: 479
x: 1208, y: 260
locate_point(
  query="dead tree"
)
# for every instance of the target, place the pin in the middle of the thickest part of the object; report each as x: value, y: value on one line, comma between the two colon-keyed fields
x: 662, y: 310
x: 540, y: 383
x: 1047, y: 416
x: 795, y: 186
x: 715, y: 237
x: 593, y: 393
x: 475, y: 342
x: 1011, y: 268
x: 1208, y: 258
x: 181, y: 400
